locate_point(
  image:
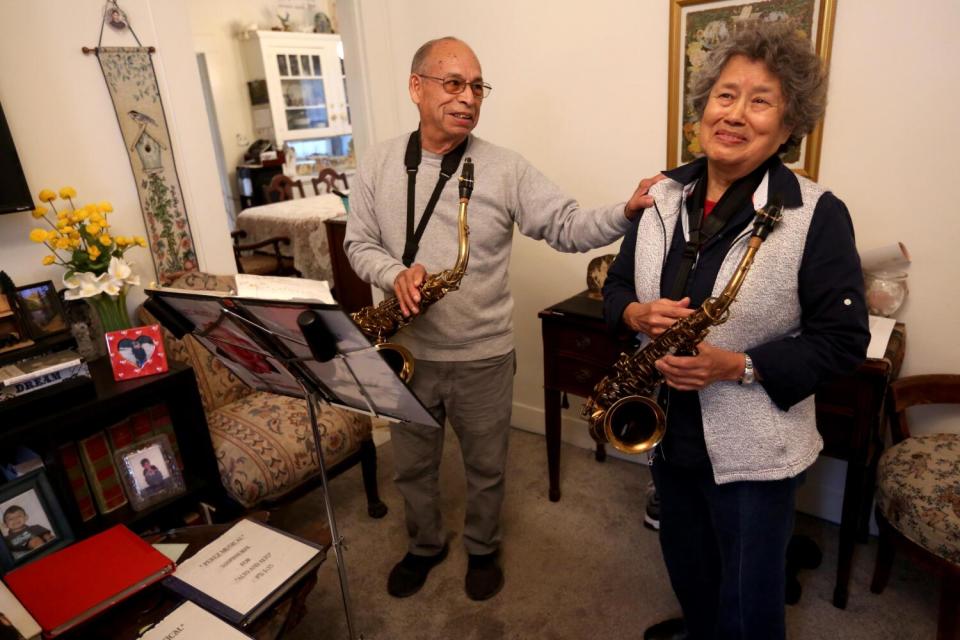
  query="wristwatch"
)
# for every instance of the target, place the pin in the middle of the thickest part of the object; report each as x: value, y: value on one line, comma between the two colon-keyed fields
x: 748, y: 376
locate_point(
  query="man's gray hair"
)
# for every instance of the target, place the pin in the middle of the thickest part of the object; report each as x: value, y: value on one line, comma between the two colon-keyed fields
x: 420, y: 57
x: 789, y: 56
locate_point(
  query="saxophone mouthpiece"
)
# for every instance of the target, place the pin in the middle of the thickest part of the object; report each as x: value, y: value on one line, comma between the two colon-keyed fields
x: 768, y: 216
x: 466, y: 179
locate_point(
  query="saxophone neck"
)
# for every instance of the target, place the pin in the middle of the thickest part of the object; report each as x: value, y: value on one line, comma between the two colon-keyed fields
x: 463, y: 240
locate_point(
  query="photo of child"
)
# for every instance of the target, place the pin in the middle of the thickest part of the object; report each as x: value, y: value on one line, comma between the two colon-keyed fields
x: 150, y: 470
x: 24, y: 524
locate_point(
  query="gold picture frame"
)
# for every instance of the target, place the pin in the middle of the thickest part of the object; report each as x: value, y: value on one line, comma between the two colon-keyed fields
x: 695, y: 24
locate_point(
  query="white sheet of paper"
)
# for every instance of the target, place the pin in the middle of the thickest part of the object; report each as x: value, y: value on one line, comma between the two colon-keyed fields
x: 18, y: 616
x: 277, y: 288
x: 880, y: 330
x: 190, y: 622
x: 245, y: 565
x: 172, y: 551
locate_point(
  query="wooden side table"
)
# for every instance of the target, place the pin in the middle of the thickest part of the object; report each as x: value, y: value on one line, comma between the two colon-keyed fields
x: 578, y: 351
x: 850, y: 420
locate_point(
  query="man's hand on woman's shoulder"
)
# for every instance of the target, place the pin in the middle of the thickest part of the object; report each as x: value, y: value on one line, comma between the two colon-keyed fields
x: 641, y: 198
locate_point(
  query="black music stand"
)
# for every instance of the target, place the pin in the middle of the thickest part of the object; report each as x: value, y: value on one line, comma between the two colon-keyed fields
x: 305, y: 349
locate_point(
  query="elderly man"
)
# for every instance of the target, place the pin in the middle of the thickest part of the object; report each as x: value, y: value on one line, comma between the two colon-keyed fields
x: 464, y: 347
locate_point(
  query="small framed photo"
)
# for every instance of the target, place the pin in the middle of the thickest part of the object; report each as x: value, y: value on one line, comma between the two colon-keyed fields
x: 40, y: 309
x: 149, y: 472
x: 136, y: 352
x: 32, y: 523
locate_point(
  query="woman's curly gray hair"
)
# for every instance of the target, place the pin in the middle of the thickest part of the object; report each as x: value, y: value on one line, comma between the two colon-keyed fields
x: 789, y: 56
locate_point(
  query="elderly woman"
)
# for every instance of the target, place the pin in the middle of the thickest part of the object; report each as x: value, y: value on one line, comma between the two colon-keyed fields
x: 740, y: 414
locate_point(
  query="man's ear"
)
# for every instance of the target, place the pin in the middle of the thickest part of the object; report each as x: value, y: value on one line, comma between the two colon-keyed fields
x: 416, y: 87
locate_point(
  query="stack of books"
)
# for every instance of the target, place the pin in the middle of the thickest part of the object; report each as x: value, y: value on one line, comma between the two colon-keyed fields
x: 40, y: 372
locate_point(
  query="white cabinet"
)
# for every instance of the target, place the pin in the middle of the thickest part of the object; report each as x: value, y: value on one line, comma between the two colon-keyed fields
x: 305, y: 95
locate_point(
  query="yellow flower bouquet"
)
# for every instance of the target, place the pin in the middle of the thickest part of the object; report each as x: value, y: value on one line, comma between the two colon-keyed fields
x: 81, y: 240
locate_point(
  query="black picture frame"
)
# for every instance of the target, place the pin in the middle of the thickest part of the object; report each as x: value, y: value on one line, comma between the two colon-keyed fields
x: 40, y: 310
x: 32, y: 496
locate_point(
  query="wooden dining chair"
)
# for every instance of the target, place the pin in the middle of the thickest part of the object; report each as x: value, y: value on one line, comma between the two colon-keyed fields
x: 253, y: 259
x: 281, y: 188
x: 918, y: 499
x: 329, y: 177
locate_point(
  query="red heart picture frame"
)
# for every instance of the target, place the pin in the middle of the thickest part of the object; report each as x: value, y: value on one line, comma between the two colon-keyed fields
x: 136, y: 352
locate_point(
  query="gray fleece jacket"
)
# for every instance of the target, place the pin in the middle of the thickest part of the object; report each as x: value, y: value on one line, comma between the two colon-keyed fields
x: 476, y: 321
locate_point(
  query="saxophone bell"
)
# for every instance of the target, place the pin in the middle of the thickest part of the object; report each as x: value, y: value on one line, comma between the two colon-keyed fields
x: 634, y: 424
x: 397, y: 357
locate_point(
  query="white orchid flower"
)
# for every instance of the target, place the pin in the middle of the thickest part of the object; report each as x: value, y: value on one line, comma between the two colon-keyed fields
x: 121, y: 272
x: 108, y: 285
x: 81, y: 285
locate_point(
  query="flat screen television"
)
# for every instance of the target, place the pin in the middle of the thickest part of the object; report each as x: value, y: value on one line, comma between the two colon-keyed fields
x: 14, y: 192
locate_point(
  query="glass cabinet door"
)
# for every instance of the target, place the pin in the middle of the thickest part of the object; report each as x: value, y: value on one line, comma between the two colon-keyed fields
x: 304, y: 97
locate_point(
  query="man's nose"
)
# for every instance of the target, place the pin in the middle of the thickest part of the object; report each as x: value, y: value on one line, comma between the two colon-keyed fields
x: 466, y: 96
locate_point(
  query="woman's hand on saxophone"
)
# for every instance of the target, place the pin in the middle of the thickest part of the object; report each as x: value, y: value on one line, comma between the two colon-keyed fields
x: 692, y: 373
x: 406, y: 286
x: 653, y: 318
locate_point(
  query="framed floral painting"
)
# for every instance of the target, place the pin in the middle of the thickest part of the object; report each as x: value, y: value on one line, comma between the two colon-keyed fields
x: 697, y: 26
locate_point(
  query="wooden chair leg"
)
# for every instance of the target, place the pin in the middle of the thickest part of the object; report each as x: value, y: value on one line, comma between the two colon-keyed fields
x: 885, y: 552
x: 948, y: 619
x: 368, y: 467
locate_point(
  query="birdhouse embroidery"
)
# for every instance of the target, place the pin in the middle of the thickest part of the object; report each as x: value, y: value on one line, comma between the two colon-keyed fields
x: 148, y: 149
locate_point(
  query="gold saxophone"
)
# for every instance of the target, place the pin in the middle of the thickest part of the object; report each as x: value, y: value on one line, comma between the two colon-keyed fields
x: 381, y: 321
x: 622, y: 409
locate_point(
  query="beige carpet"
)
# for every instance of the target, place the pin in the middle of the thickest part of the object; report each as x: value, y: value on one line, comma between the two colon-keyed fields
x: 583, y: 567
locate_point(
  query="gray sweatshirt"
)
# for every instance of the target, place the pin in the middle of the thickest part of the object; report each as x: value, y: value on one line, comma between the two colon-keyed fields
x: 476, y: 321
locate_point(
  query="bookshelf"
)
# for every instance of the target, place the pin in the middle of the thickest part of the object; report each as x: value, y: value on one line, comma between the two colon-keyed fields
x: 70, y: 412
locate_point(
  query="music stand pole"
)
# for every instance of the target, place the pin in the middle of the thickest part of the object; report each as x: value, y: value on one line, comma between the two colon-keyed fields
x: 337, y: 541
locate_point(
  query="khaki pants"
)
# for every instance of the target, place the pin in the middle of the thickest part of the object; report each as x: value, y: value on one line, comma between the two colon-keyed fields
x: 477, y: 397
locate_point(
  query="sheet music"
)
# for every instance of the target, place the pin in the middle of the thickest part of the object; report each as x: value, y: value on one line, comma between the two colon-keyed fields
x: 277, y: 288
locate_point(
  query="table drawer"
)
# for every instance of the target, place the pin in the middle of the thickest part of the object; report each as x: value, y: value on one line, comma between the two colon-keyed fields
x: 591, y: 346
x: 575, y: 376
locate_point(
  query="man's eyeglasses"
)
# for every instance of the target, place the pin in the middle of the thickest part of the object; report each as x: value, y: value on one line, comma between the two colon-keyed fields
x: 456, y: 86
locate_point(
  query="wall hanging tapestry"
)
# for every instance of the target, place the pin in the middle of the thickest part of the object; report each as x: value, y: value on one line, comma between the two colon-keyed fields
x: 132, y: 82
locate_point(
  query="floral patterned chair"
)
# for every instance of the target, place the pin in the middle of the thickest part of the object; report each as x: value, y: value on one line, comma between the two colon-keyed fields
x: 918, y: 494
x: 264, y: 441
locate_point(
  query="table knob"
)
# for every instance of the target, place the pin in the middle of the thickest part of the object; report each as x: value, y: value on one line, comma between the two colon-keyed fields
x: 582, y: 343
x: 583, y: 375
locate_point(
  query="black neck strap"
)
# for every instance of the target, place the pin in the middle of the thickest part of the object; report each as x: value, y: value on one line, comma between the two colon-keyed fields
x: 412, y: 162
x: 703, y: 231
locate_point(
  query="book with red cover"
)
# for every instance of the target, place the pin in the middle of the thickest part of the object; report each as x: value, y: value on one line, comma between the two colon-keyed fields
x: 68, y: 587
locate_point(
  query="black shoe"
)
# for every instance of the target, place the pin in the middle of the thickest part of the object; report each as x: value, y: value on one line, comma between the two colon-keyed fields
x: 651, y: 517
x: 672, y: 629
x: 408, y: 575
x: 484, y: 576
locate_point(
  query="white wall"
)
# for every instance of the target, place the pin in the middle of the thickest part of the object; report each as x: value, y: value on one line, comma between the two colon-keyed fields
x: 59, y: 111
x: 581, y: 91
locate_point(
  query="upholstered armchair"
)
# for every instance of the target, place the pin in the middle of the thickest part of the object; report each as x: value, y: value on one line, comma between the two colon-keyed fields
x: 918, y: 494
x: 264, y: 441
